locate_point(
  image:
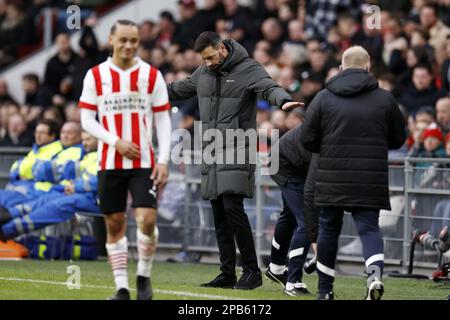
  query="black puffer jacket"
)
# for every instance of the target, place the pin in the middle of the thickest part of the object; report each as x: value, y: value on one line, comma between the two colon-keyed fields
x: 293, y: 158
x: 227, y: 102
x: 312, y: 212
x: 352, y: 124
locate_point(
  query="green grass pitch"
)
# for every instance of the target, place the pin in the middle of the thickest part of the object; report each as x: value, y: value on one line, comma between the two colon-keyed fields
x: 31, y: 279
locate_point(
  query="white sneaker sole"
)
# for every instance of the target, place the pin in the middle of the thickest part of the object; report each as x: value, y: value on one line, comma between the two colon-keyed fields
x: 376, y: 290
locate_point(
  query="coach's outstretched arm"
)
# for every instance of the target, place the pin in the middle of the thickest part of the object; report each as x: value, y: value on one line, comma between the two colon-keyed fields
x: 184, y: 89
x: 267, y: 89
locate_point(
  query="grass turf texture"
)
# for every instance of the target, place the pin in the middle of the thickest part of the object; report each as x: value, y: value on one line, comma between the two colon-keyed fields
x: 31, y: 279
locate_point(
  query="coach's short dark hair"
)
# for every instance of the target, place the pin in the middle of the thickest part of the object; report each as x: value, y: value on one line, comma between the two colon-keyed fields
x: 206, y: 39
x: 53, y: 127
x: 123, y: 22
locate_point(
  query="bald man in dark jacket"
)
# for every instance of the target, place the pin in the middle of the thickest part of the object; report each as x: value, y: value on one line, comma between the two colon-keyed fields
x: 352, y: 124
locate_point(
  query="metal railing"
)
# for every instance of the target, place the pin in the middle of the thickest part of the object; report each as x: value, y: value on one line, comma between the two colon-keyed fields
x: 417, y: 186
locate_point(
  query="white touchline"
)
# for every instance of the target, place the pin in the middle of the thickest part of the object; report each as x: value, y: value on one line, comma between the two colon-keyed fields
x: 176, y: 293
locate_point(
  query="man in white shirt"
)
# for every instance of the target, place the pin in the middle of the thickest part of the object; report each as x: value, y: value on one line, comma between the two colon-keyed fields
x: 127, y: 94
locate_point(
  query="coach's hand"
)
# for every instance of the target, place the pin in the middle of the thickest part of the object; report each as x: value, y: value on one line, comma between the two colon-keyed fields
x: 292, y: 105
x: 128, y: 149
x: 159, y: 175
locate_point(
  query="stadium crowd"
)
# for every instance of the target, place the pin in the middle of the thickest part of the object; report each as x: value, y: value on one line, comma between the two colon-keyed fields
x: 299, y: 43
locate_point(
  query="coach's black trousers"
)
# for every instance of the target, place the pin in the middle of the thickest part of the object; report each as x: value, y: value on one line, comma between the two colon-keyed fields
x: 231, y: 222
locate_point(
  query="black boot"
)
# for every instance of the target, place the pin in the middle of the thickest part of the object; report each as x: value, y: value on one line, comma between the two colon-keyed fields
x: 144, y: 288
x: 249, y: 280
x: 221, y: 281
x: 121, y: 294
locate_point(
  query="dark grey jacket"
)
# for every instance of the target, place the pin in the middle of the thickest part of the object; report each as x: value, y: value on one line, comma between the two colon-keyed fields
x: 352, y: 124
x: 227, y: 100
x: 294, y: 159
x: 312, y: 212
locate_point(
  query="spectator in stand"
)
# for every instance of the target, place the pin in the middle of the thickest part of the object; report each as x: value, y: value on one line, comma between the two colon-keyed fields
x: 423, y: 92
x: 319, y: 59
x: 212, y: 11
x: 4, y: 93
x: 17, y: 134
x: 90, y: 55
x: 262, y: 56
x: 444, y: 11
x: 443, y: 114
x: 238, y: 19
x: 193, y: 60
x: 158, y: 59
x: 322, y: 15
x: 167, y: 30
x: 288, y: 81
x: 386, y: 81
x: 272, y: 32
x: 349, y: 31
x: 55, y: 114
x: 72, y: 112
x: 189, y: 27
x: 429, y: 19
x: 393, y: 38
x: 37, y: 97
x: 433, y: 145
x: 61, y: 64
x: 6, y: 111
x: 11, y: 33
x: 445, y: 70
x: 311, y: 83
x: 147, y: 34
x: 372, y: 40
x: 403, y: 66
x: 426, y: 115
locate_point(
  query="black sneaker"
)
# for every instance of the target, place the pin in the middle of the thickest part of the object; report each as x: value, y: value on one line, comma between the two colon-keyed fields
x: 325, y: 296
x: 310, y: 266
x: 4, y: 215
x: 144, y: 288
x: 297, y: 292
x: 278, y: 278
x: 121, y: 294
x: 249, y: 280
x: 375, y: 290
x: 221, y: 281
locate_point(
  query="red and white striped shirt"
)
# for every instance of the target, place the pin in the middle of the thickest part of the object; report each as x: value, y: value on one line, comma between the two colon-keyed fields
x: 125, y: 101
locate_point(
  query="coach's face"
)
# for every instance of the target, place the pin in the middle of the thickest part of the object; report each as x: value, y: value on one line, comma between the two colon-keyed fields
x: 214, y: 57
x: 125, y: 41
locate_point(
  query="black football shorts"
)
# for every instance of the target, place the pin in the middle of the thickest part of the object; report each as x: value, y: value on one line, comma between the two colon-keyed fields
x: 114, y: 185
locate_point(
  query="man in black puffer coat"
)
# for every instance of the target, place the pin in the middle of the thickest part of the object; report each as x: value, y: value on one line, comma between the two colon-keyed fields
x: 352, y: 124
x: 228, y: 85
